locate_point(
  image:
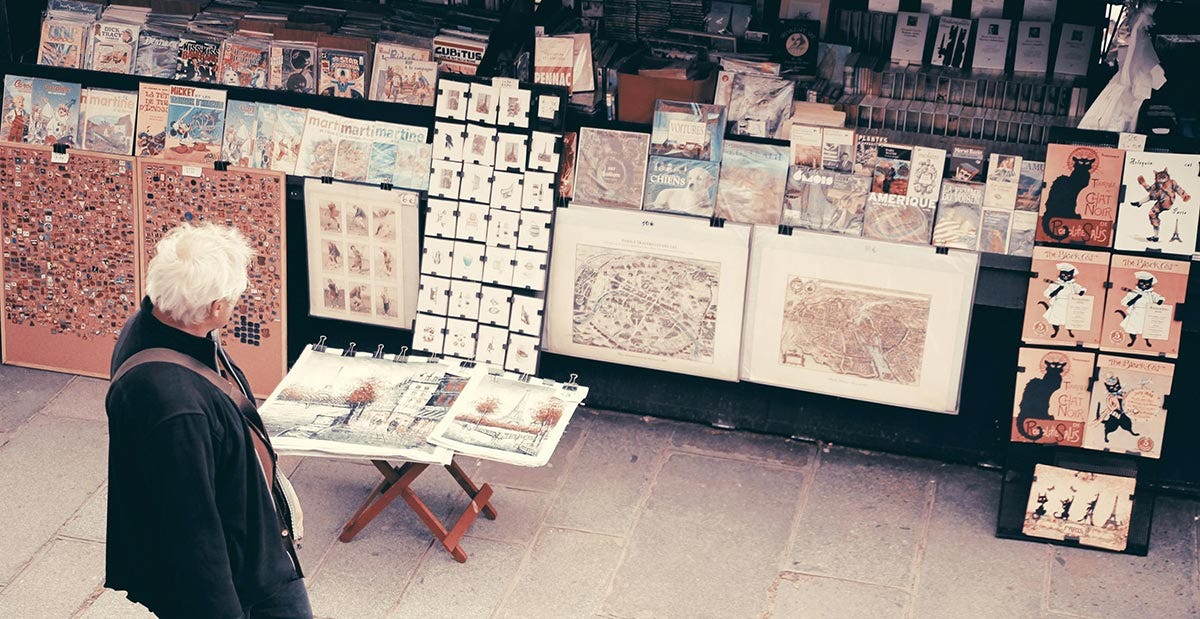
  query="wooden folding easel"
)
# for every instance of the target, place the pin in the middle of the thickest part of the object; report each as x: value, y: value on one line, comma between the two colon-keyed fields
x: 397, y: 482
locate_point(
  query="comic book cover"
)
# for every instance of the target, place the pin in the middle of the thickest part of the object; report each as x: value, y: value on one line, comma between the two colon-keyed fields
x: 866, y: 149
x: 1021, y: 233
x: 1127, y: 412
x: 1029, y: 186
x: 1003, y: 181
x: 1139, y: 314
x: 342, y: 73
x: 241, y: 126
x: 966, y: 164
x: 819, y: 199
x: 458, y: 54
x: 893, y: 165
x: 687, y: 130
x: 244, y: 62
x: 1091, y: 509
x: 1079, y: 203
x: 752, y: 183
x: 286, y: 137
x: 903, y: 219
x: 837, y: 149
x: 994, y: 227
x: 108, y: 117
x: 156, y: 54
x: 925, y: 179
x: 62, y: 43
x: 354, y: 150
x: 404, y: 80
x: 1050, y: 405
x: 806, y: 144
x: 1157, y: 214
x: 293, y: 67
x: 54, y: 118
x: 1066, y: 297
x: 684, y: 186
x: 318, y: 147
x: 198, y: 60
x: 112, y: 47
x: 959, y: 215
x: 413, y: 155
x: 153, y: 101
x: 264, y: 137
x: 17, y: 108
x: 381, y: 160
x: 611, y: 168
x: 195, y: 124
x: 758, y: 106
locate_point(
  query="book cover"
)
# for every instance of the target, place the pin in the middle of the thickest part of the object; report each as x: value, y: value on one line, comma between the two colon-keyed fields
x: 1139, y: 313
x: 286, y: 138
x: 866, y: 149
x: 611, y: 167
x: 893, y: 166
x: 554, y: 61
x: 925, y: 180
x: 293, y: 67
x: 687, y: 130
x: 156, y: 54
x: 1050, y: 404
x: 966, y: 164
x: 1127, y: 406
x: 796, y: 46
x: 950, y: 43
x: 1079, y: 203
x: 1074, y: 55
x: 837, y: 149
x: 1094, y: 497
x: 17, y: 108
x: 959, y: 215
x: 806, y: 142
x: 264, y: 138
x: 1157, y: 213
x: 342, y: 73
x: 108, y: 118
x: 241, y: 125
x: 828, y: 201
x: 455, y: 54
x: 54, y: 118
x: 1066, y: 297
x: 244, y: 62
x: 1029, y: 186
x: 62, y: 43
x: 994, y: 227
x: 752, y: 183
x: 381, y: 161
x: 1021, y: 233
x: 759, y: 106
x: 584, y: 73
x: 1033, y: 47
x: 1003, y: 181
x: 153, y: 101
x: 683, y: 186
x: 566, y: 165
x: 991, y: 44
x: 318, y: 146
x: 195, y: 124
x: 412, y: 157
x: 198, y: 60
x: 404, y: 80
x: 353, y: 150
x: 908, y: 41
x: 112, y: 47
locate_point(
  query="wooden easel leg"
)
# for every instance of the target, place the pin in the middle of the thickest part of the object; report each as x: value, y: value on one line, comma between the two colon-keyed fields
x: 469, y: 487
x: 395, y: 483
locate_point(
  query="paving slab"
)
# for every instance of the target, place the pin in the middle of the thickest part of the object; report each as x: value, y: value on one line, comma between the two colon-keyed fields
x: 89, y: 522
x: 872, y: 505
x: 114, y: 605
x: 997, y: 577
x: 801, y: 596
x: 82, y: 398
x: 57, y: 583
x: 771, y: 449
x: 543, y: 478
x: 565, y: 576
x: 329, y: 491
x: 444, y: 587
x: 288, y: 464
x: 39, y: 492
x: 1099, y: 584
x: 611, y: 473
x: 25, y: 392
x: 709, y: 541
x: 519, y: 515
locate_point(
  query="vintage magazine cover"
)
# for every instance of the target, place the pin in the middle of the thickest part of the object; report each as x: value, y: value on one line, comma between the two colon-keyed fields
x: 353, y: 157
x: 55, y: 114
x: 819, y: 199
x: 959, y: 215
x: 893, y: 166
x: 1157, y: 214
x: 901, y: 219
x: 245, y: 62
x: 1139, y: 315
x: 365, y: 238
x: 412, y: 157
x: 17, y: 109
x: 342, y: 73
x: 1128, y: 415
x: 195, y: 124
x: 381, y: 161
x: 752, y: 183
x: 241, y: 126
x: 1050, y: 405
x: 293, y: 67
x: 112, y: 47
x: 1066, y: 297
x: 554, y: 61
x: 153, y: 101
x: 837, y: 149
x: 966, y: 164
x: 286, y: 135
x: 1029, y: 186
x: 156, y: 55
x: 318, y: 147
x: 806, y: 142
x: 1003, y: 181
x: 1079, y: 203
x: 647, y: 289
x: 108, y: 117
x: 1021, y: 233
x: 759, y: 106
x: 925, y: 178
x: 994, y: 226
x: 362, y: 407
x: 505, y: 418
x: 62, y: 43
x: 684, y: 186
x: 198, y: 60
x: 856, y: 318
x: 264, y: 138
x: 1091, y: 509
x: 404, y: 80
x: 866, y: 149
x: 611, y: 168
x: 687, y: 130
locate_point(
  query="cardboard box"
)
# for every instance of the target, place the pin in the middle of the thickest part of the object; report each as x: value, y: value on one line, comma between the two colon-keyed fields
x: 636, y: 94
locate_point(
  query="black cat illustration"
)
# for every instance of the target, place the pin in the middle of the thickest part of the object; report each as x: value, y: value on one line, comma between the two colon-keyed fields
x: 1035, y: 400
x: 1042, y: 499
x: 1116, y: 416
x: 1065, y: 514
x: 1063, y: 196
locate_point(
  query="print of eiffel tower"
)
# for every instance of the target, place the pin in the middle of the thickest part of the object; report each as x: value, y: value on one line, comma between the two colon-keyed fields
x: 1175, y: 234
x: 1112, y: 522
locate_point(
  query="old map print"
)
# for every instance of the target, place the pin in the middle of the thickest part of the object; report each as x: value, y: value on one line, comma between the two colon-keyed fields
x: 871, y: 333
x: 645, y: 303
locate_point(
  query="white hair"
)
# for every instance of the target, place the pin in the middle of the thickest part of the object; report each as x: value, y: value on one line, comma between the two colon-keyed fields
x: 194, y: 266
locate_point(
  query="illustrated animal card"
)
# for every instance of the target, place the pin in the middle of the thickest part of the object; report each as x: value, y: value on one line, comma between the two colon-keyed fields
x: 611, y: 168
x: 433, y: 295
x: 448, y: 141
x: 452, y: 99
x: 543, y: 152
x: 1139, y: 317
x: 495, y: 304
x: 1157, y: 213
x: 1079, y: 203
x: 683, y: 186
x: 1091, y: 509
x: 429, y: 333
x: 752, y: 183
x: 480, y: 145
x: 1127, y: 412
x: 1050, y: 405
x: 959, y: 215
x: 444, y: 179
x: 1066, y: 297
x: 507, y: 190
x: 498, y: 265
x: 484, y: 104
x: 1029, y: 185
x: 819, y: 199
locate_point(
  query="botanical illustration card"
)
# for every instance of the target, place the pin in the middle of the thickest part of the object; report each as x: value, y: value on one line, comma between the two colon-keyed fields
x: 1079, y: 203
x: 855, y: 318
x: 1050, y: 405
x: 752, y: 183
x: 647, y: 289
x: 1157, y: 214
x: 819, y: 199
x: 1091, y: 509
x: 1066, y: 297
x: 611, y: 168
x: 1127, y: 406
x: 1139, y: 317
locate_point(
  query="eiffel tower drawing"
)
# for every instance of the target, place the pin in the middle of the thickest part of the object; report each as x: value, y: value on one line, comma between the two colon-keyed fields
x: 1175, y: 234
x: 1112, y: 522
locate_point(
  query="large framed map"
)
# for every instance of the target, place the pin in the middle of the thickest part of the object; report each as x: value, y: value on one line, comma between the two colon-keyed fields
x: 70, y: 272
x: 253, y: 202
x: 651, y: 290
x: 857, y: 318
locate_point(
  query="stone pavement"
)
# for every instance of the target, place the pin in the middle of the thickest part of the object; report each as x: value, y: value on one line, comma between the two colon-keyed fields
x: 632, y: 518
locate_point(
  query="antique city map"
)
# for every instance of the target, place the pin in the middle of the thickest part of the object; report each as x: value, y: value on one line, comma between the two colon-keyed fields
x: 872, y: 333
x: 645, y: 303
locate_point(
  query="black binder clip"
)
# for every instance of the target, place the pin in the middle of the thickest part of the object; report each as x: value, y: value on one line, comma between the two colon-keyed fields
x: 713, y: 222
x: 785, y: 230
x: 386, y: 186
x: 402, y: 356
x: 349, y: 352
x: 60, y: 149
x: 571, y: 385
x: 320, y: 345
x: 524, y: 377
x: 467, y: 364
x: 326, y: 180
x: 378, y: 352
x: 942, y: 251
x: 220, y: 166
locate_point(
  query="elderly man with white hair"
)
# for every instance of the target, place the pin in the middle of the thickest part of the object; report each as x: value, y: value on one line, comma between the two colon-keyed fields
x: 198, y: 521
